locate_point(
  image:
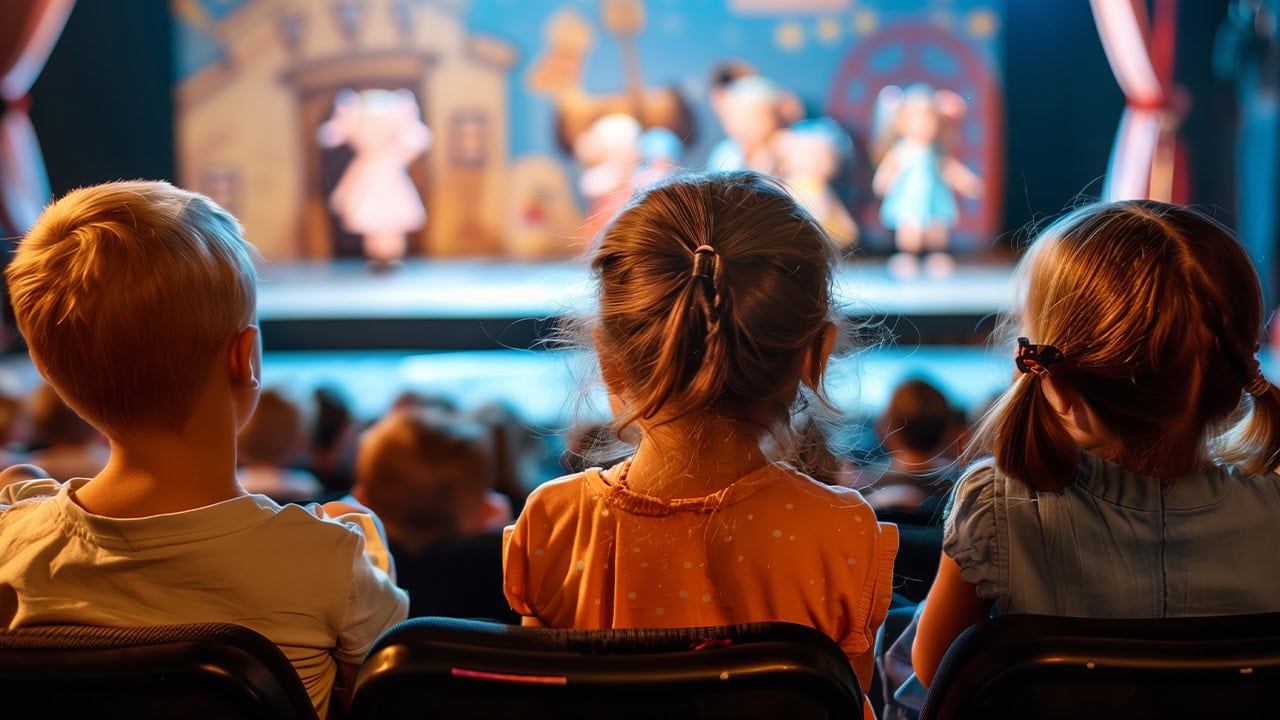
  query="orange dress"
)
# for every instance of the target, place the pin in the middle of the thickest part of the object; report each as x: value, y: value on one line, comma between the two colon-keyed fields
x: 588, y: 552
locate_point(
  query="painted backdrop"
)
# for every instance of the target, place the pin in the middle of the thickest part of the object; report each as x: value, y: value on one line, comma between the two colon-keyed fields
x: 509, y: 87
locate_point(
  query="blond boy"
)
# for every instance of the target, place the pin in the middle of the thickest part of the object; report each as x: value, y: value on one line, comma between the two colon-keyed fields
x: 137, y: 300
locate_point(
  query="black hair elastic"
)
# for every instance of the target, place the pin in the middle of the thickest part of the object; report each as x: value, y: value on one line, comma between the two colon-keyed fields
x: 1035, y: 358
x: 705, y: 263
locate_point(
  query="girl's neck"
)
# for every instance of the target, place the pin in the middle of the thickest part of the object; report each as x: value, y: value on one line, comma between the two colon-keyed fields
x: 688, y: 459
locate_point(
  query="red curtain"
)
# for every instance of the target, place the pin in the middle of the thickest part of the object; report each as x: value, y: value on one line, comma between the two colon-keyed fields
x: 1146, y: 160
x: 28, y: 31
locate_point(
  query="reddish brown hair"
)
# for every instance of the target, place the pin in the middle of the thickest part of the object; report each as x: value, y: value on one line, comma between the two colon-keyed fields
x: 1158, y: 313
x: 723, y: 333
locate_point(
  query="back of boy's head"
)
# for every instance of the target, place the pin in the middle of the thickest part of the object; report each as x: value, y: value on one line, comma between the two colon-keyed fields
x: 711, y: 289
x: 125, y: 292
x: 1157, y: 312
x: 423, y: 469
x: 917, y: 417
x: 276, y: 433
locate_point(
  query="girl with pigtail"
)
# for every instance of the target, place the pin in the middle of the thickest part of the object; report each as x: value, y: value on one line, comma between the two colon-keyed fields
x: 1132, y: 459
x: 714, y: 316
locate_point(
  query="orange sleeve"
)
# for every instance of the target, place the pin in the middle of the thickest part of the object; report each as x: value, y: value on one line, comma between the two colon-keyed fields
x: 515, y: 569
x: 953, y: 605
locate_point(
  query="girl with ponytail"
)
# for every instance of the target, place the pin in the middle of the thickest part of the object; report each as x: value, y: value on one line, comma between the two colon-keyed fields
x: 1131, y: 470
x: 714, y: 317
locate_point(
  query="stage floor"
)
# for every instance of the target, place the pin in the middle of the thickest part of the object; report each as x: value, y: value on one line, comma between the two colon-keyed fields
x: 554, y: 389
x: 476, y: 304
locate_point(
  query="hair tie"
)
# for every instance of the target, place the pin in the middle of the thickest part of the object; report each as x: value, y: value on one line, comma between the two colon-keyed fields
x: 1256, y: 383
x: 1036, y: 358
x: 706, y: 261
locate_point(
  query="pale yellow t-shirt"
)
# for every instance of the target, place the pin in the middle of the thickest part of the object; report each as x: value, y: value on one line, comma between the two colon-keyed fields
x: 306, y: 582
x: 776, y: 545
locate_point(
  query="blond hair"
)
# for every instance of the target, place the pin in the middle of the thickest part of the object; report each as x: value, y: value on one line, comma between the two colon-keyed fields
x: 1158, y: 313
x: 125, y: 292
x: 711, y: 289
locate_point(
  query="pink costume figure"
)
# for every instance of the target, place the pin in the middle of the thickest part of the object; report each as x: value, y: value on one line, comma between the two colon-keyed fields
x: 610, y: 153
x: 810, y: 154
x: 375, y: 197
x: 917, y: 179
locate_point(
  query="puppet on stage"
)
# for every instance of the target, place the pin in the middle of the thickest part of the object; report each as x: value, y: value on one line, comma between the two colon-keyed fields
x: 375, y: 197
x: 752, y: 110
x: 810, y: 154
x: 609, y: 152
x: 918, y: 177
x: 660, y: 151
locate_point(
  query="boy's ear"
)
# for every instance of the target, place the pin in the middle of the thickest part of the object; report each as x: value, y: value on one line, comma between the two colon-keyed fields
x: 819, y: 352
x: 241, y: 363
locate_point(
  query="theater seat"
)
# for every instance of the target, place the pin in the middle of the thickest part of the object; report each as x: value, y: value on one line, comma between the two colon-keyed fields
x: 178, y: 672
x: 1035, y: 666
x: 438, y: 667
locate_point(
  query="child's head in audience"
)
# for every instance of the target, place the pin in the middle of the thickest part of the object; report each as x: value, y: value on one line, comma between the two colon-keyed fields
x: 916, y: 426
x: 332, y: 438
x: 270, y: 446
x: 15, y: 423
x: 427, y: 474
x: 62, y: 442
x: 127, y: 294
x: 518, y: 450
x: 714, y: 305
x: 276, y: 434
x: 54, y: 424
x: 1142, y: 323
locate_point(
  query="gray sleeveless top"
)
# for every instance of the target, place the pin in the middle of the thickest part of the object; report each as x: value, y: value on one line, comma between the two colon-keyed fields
x: 1116, y: 544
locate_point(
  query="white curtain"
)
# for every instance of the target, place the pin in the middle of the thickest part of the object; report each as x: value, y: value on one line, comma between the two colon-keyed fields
x: 28, y: 31
x: 1143, y: 158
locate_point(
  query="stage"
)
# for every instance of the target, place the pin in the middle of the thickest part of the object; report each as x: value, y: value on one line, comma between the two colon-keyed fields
x: 473, y: 331
x: 480, y: 305
x: 470, y: 331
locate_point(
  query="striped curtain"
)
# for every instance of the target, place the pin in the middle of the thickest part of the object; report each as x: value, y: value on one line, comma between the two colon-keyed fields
x: 1146, y: 159
x: 28, y: 31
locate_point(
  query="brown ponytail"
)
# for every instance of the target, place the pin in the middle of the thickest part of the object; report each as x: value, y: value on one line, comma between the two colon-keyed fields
x: 1028, y: 438
x: 711, y: 288
x: 1157, y: 311
x: 1257, y: 442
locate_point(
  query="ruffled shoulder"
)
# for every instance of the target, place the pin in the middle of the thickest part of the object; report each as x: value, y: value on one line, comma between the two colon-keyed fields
x: 970, y: 535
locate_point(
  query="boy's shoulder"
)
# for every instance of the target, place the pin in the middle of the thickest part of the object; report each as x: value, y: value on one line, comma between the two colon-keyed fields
x: 24, y: 490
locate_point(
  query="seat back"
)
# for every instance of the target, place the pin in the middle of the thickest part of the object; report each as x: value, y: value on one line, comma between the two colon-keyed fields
x: 1021, y: 666
x: 438, y: 667
x: 182, y: 672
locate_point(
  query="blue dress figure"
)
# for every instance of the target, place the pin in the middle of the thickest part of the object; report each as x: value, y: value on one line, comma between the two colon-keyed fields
x: 917, y: 181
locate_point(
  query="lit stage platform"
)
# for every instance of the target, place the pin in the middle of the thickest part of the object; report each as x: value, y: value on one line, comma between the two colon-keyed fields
x: 477, y: 305
x: 553, y: 389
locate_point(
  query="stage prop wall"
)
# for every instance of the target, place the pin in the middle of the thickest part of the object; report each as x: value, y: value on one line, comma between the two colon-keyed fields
x: 514, y: 128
